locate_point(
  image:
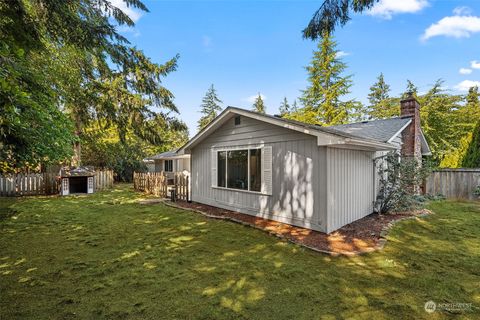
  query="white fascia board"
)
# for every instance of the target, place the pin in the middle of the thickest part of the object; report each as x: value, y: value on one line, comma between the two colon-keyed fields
x: 424, y: 143
x: 213, y: 125
x: 399, y: 131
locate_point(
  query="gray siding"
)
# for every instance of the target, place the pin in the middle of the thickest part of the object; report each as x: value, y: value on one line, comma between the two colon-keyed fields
x: 351, y: 182
x: 299, y: 179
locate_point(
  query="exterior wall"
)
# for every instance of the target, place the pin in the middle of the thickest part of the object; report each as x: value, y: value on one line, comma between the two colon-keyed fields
x: 180, y: 164
x: 151, y: 167
x: 299, y: 180
x: 159, y: 165
x: 351, y: 183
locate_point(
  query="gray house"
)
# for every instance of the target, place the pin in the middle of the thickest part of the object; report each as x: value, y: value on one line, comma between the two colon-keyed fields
x: 315, y: 177
x: 168, y: 162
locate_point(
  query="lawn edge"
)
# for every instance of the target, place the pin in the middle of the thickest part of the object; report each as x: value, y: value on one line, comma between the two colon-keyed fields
x: 380, y: 245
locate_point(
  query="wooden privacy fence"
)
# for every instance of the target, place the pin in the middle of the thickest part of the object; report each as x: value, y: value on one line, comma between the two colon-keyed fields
x: 453, y: 183
x: 103, y: 179
x: 158, y: 184
x: 35, y: 184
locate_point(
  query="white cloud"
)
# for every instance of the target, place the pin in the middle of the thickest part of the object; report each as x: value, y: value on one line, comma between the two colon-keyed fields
x: 467, y: 84
x: 387, y: 8
x: 475, y: 64
x: 341, y: 54
x: 461, y: 25
x: 462, y: 11
x: 126, y: 29
x: 252, y: 99
x: 135, y: 15
x: 465, y: 71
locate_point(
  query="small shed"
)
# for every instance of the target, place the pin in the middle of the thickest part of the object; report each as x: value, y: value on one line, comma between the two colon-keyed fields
x: 76, y: 180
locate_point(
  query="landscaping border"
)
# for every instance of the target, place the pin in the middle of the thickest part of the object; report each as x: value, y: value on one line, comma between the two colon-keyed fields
x: 378, y: 246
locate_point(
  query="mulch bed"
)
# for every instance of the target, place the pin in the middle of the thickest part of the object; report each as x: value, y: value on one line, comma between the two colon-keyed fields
x: 364, y: 235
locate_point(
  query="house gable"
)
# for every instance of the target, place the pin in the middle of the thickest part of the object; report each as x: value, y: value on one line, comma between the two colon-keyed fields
x: 325, y: 136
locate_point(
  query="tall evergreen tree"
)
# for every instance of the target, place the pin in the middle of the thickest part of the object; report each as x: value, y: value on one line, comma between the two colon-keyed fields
x: 70, y: 62
x: 472, y: 155
x: 210, y: 107
x: 259, y: 105
x: 332, y: 13
x: 285, y: 107
x: 294, y: 106
x: 411, y: 89
x: 322, y: 99
x: 442, y: 122
x: 381, y: 105
x: 473, y: 102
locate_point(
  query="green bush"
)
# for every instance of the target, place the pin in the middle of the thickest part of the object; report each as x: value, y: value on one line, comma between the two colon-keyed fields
x: 400, y: 179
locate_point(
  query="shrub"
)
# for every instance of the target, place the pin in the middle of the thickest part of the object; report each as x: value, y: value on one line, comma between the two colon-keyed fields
x: 399, y: 182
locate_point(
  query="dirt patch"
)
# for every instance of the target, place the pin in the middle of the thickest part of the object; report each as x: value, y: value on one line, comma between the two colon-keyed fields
x: 364, y: 235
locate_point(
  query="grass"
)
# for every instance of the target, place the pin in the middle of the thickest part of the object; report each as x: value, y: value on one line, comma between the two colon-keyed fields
x: 106, y: 256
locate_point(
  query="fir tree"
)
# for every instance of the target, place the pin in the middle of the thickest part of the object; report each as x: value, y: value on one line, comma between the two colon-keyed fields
x: 321, y: 100
x: 411, y: 89
x: 473, y: 102
x: 381, y: 105
x: 285, y: 108
x: 294, y: 106
x: 210, y: 107
x: 259, y: 105
x: 472, y: 156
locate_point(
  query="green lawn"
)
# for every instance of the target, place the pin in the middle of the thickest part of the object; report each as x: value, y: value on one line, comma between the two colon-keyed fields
x: 106, y: 256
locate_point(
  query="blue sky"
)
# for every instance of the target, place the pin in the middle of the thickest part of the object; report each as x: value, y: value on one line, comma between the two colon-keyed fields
x: 246, y: 47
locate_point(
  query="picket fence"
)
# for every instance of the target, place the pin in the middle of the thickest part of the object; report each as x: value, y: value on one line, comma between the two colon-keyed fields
x: 158, y: 184
x: 35, y: 184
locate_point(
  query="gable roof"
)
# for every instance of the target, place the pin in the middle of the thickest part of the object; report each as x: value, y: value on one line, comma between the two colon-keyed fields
x: 385, y: 130
x: 326, y: 136
x: 382, y: 130
x: 172, y: 154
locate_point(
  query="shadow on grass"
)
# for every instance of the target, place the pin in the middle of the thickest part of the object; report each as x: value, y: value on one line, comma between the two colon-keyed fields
x: 105, y: 256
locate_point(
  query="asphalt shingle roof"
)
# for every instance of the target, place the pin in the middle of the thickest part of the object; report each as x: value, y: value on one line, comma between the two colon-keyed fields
x: 167, y: 154
x: 381, y: 130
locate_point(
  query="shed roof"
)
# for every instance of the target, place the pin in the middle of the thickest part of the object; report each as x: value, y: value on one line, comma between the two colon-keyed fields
x: 382, y: 130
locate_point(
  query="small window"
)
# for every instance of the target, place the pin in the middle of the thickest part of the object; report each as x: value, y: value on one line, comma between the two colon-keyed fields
x: 237, y: 120
x: 168, y: 165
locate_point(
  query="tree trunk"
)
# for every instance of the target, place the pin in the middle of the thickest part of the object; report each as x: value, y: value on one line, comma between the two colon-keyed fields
x: 77, y: 159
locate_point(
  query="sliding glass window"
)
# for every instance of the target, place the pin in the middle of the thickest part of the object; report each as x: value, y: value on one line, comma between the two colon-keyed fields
x: 239, y: 169
x: 222, y: 169
x: 255, y: 169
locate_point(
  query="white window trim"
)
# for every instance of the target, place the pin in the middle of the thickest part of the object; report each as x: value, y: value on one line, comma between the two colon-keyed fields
x: 236, y: 148
x: 165, y: 164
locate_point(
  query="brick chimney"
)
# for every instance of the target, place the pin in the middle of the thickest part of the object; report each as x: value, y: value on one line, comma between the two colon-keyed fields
x: 411, y: 141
